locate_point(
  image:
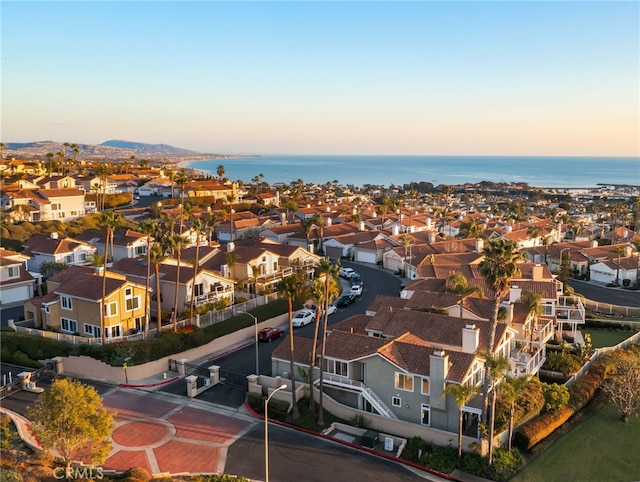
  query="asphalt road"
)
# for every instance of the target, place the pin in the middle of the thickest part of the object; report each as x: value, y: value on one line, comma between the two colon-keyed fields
x: 295, y: 455
x: 602, y: 294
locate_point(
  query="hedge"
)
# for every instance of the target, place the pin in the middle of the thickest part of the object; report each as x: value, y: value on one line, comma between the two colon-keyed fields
x: 581, y: 392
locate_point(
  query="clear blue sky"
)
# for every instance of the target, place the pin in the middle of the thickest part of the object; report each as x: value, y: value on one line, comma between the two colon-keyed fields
x: 510, y: 77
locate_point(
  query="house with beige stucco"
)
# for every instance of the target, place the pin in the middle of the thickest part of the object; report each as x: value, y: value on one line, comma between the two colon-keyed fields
x: 75, y: 300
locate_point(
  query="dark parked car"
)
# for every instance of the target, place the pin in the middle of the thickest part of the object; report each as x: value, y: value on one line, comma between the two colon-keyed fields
x: 356, y: 279
x: 268, y: 334
x: 345, y: 300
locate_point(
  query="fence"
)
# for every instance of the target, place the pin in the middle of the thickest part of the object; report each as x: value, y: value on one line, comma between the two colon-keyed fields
x: 609, y: 309
x: 207, y: 319
x: 635, y: 338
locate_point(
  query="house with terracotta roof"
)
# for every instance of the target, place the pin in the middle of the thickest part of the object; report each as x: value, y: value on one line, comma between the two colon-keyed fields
x: 17, y: 284
x: 51, y: 248
x: 75, y: 300
x: 397, y: 364
x: 127, y: 243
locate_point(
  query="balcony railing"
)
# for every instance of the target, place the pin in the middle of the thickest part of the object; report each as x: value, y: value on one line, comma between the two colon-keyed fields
x: 570, y: 309
x: 214, y: 295
x: 528, y: 360
x: 274, y: 277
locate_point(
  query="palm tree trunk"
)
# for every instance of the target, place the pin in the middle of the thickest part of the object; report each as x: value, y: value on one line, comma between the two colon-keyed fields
x: 322, y: 352
x: 193, y: 284
x: 460, y: 435
x: 104, y: 288
x: 175, y: 299
x: 146, y: 293
x: 511, y: 414
x: 158, y: 299
x: 312, y: 361
x: 296, y: 413
x: 491, y: 426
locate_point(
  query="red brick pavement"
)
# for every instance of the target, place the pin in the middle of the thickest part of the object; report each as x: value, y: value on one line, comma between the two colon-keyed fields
x: 189, y: 440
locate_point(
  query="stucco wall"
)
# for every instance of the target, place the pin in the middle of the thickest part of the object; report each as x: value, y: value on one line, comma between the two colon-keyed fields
x: 85, y: 367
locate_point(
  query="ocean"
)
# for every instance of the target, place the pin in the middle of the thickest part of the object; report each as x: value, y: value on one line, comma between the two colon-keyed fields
x: 571, y: 172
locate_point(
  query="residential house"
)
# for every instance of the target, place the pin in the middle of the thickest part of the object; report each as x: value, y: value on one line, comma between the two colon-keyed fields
x: 51, y: 248
x: 127, y: 243
x: 17, y: 285
x: 75, y: 300
x: 206, y: 286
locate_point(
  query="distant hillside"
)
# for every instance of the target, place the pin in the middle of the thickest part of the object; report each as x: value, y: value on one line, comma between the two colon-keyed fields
x: 113, y: 150
x: 148, y: 148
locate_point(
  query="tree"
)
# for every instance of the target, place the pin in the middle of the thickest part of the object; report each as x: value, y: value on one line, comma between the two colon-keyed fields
x: 157, y: 256
x: 69, y: 417
x: 495, y: 367
x: 220, y: 172
x: 291, y: 288
x: 511, y: 390
x: 49, y: 268
x: 331, y: 272
x: 531, y: 301
x: 459, y: 286
x: 198, y: 227
x: 176, y: 243
x: 50, y: 159
x: 109, y: 220
x: 149, y: 228
x: 462, y: 394
x: 623, y: 387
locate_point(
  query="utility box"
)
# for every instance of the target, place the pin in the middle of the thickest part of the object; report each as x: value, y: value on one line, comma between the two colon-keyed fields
x: 388, y: 444
x: 370, y: 439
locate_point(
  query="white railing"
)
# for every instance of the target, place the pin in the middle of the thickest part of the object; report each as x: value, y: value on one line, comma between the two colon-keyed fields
x: 370, y: 395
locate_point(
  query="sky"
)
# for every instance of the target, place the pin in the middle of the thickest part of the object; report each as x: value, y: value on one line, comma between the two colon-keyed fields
x: 328, y: 77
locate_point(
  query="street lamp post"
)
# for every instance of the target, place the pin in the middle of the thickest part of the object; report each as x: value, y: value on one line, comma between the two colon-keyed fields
x: 255, y: 322
x: 266, y: 432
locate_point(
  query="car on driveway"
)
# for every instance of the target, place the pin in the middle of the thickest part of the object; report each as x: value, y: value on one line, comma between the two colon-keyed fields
x: 356, y: 290
x: 346, y: 272
x: 269, y: 334
x: 345, y: 300
x: 303, y: 318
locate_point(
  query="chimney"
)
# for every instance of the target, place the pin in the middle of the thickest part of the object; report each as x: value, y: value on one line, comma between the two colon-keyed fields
x: 54, y: 235
x: 594, y: 243
x: 479, y: 245
x: 374, y: 214
x: 508, y: 229
x: 308, y: 205
x: 509, y: 309
x: 361, y: 226
x: 328, y: 222
x: 537, y: 272
x: 394, y: 230
x: 438, y: 371
x: 431, y: 237
x: 428, y: 223
x: 283, y: 218
x: 470, y: 339
x: 231, y: 246
x: 224, y: 270
x: 514, y: 294
x: 354, y: 211
x: 327, y: 209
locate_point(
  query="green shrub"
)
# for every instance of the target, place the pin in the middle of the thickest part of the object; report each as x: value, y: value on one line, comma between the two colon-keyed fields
x: 473, y: 463
x: 442, y: 459
x: 529, y: 404
x: 583, y: 390
x: 555, y: 396
x: 136, y: 474
x: 414, y: 445
x: 505, y: 463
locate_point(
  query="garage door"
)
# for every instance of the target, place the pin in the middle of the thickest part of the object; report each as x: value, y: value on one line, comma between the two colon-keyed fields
x: 15, y: 294
x: 333, y: 252
x: 366, y: 257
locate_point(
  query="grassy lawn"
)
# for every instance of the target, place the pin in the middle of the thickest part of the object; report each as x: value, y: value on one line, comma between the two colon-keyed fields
x: 600, y: 448
x: 601, y: 338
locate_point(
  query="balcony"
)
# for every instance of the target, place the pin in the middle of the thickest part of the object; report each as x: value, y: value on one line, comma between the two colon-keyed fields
x: 273, y: 278
x: 217, y: 293
x: 569, y: 309
x: 528, y: 360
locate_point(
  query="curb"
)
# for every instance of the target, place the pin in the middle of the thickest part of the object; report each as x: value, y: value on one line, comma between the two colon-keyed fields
x: 231, y: 350
x: 149, y: 385
x: 355, y: 446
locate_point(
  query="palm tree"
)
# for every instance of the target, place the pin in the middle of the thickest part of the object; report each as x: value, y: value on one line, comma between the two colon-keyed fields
x: 496, y: 367
x: 307, y: 224
x: 463, y: 395
x: 220, y: 172
x: 330, y: 271
x: 198, y: 227
x: 532, y: 304
x: 2, y: 146
x: 317, y: 295
x: 50, y: 158
x: 510, y: 391
x: 76, y: 150
x: 157, y: 256
x: 619, y: 250
x: 231, y: 198
x: 458, y: 285
x: 176, y: 243
x: 291, y: 288
x: 320, y: 223
x: 110, y: 220
x: 636, y: 244
x: 102, y: 171
x: 148, y: 227
x: 498, y: 267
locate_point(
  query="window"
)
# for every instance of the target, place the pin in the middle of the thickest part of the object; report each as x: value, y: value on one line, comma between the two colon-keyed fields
x: 56, y: 206
x: 425, y: 417
x: 114, y: 331
x: 68, y: 325
x: 82, y: 257
x: 111, y: 309
x: 425, y: 386
x: 14, y: 271
x: 92, y: 330
x: 65, y: 302
x: 404, y: 382
x: 336, y: 367
x: 68, y: 259
x: 132, y: 302
x: 141, y: 250
x: 198, y: 290
x: 396, y: 401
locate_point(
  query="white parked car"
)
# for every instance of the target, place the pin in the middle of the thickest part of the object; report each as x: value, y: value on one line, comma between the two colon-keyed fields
x: 303, y: 317
x: 332, y: 309
x: 347, y: 272
x: 356, y: 290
